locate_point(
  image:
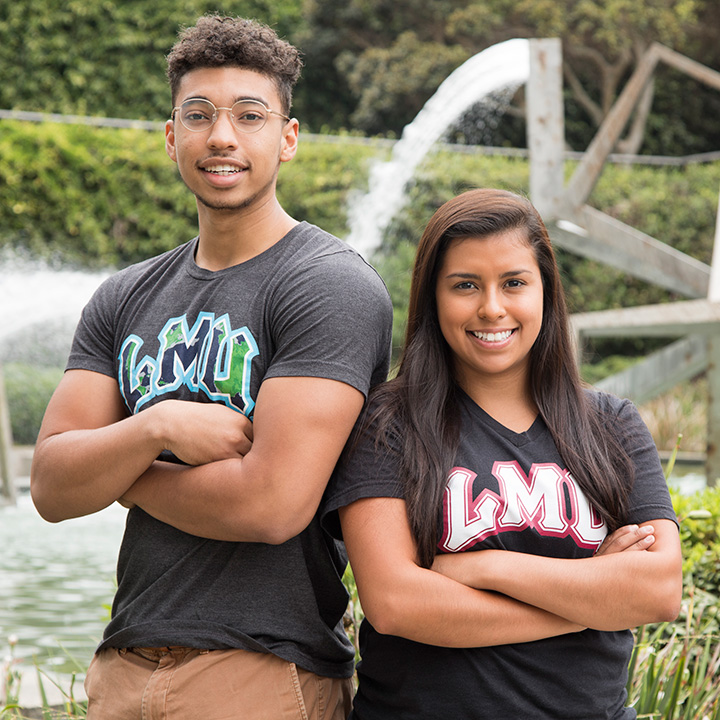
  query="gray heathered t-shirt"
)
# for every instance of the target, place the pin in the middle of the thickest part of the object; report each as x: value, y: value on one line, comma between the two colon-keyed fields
x: 165, y: 328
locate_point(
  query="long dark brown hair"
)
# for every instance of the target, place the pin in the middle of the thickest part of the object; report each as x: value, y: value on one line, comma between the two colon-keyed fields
x: 422, y: 398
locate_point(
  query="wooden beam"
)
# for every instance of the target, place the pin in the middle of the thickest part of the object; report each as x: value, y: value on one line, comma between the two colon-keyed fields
x: 588, y: 170
x: 677, y: 319
x: 7, y: 481
x: 546, y: 126
x: 659, y: 372
x: 595, y: 235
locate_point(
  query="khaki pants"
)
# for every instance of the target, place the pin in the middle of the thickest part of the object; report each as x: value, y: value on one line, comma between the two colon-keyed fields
x: 191, y: 684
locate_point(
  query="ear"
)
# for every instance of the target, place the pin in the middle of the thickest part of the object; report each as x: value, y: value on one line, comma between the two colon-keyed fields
x: 170, y: 140
x: 289, y: 140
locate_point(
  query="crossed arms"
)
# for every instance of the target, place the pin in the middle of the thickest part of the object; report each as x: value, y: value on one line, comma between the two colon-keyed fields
x: 496, y: 597
x: 256, y: 482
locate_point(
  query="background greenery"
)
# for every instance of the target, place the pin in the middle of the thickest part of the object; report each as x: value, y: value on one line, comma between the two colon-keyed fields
x: 102, y: 197
x: 371, y: 64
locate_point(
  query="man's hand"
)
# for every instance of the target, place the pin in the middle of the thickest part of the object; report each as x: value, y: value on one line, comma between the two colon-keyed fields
x: 272, y: 492
x: 200, y: 433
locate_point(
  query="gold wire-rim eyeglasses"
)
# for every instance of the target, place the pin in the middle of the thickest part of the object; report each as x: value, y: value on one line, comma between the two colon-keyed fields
x: 247, y: 116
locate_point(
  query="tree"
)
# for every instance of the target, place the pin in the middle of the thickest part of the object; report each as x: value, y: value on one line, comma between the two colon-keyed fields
x: 386, y: 54
x: 382, y: 58
x: 105, y: 57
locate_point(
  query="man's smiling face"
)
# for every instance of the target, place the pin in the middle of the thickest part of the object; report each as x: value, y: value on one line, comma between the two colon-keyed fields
x: 225, y: 168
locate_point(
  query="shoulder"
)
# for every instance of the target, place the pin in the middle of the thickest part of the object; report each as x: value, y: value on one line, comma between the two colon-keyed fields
x: 126, y: 280
x: 316, y: 252
x: 621, y: 417
x: 369, y: 465
x: 319, y: 276
x: 610, y: 407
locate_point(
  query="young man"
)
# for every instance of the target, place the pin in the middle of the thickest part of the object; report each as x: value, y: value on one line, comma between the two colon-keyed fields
x: 211, y: 390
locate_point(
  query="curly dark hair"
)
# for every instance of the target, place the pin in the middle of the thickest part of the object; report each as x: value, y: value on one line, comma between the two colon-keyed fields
x: 217, y: 41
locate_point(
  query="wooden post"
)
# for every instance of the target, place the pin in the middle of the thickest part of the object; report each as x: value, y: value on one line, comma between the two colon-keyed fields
x: 7, y: 485
x: 546, y: 126
x: 712, y: 464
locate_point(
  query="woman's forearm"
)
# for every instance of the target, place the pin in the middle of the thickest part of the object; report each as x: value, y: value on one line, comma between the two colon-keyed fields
x: 609, y: 592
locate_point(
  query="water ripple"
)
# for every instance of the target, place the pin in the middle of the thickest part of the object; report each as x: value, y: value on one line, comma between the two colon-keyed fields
x: 54, y: 582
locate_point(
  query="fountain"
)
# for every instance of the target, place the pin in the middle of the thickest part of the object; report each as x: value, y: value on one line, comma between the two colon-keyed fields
x: 46, y: 305
x: 56, y: 578
x: 502, y: 67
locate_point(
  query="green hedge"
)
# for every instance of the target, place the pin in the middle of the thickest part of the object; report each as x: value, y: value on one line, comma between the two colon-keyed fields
x: 28, y: 389
x: 107, y: 197
x: 101, y: 196
x: 699, y: 516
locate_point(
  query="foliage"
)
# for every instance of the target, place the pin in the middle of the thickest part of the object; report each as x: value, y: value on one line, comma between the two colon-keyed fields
x: 28, y: 389
x: 371, y: 48
x: 92, y: 196
x: 105, y: 57
x: 317, y: 184
x: 410, y: 68
x: 676, y: 677
x: 699, y: 517
x: 369, y: 64
x: 106, y: 197
x: 69, y: 709
x: 674, y: 671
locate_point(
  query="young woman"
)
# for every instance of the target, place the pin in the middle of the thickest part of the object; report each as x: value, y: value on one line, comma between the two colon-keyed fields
x: 505, y: 525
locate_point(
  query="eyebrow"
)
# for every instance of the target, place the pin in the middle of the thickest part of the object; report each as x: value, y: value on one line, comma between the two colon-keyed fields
x: 474, y: 276
x: 239, y: 98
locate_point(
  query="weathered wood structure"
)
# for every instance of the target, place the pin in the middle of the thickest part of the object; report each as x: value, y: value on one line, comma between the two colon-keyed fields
x: 579, y: 228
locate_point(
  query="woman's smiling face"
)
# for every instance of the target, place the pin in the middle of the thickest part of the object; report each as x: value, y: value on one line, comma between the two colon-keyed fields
x: 489, y: 296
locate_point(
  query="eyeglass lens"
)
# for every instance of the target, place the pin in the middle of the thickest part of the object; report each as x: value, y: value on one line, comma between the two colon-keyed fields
x: 246, y: 115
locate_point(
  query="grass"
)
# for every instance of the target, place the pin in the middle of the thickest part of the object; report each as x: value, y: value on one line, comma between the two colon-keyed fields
x: 682, y: 410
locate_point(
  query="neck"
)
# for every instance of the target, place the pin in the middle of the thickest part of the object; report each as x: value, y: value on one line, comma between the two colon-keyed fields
x: 230, y: 237
x: 507, y: 400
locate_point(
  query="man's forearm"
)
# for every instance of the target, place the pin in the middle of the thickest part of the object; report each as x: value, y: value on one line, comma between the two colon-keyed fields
x: 79, y: 472
x: 223, y: 500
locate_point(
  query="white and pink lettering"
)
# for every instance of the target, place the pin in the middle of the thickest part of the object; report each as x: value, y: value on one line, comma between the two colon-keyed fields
x: 467, y: 521
x: 547, y: 500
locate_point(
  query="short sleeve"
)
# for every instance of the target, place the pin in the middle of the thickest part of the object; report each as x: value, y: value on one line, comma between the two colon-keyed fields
x: 92, y: 346
x: 649, y: 497
x: 369, y: 467
x: 332, y: 318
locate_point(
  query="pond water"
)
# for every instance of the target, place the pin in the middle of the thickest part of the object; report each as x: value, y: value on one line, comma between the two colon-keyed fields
x: 56, y: 582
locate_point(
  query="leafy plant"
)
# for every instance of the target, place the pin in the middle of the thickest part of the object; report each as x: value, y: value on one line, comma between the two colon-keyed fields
x: 28, y: 390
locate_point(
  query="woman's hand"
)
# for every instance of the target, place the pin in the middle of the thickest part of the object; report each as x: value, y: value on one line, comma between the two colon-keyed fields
x: 627, y: 537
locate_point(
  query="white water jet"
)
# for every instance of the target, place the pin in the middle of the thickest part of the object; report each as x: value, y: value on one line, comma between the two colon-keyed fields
x: 37, y: 299
x: 502, y: 66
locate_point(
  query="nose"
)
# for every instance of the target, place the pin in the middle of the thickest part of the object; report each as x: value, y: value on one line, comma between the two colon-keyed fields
x: 223, y: 133
x: 491, y: 306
